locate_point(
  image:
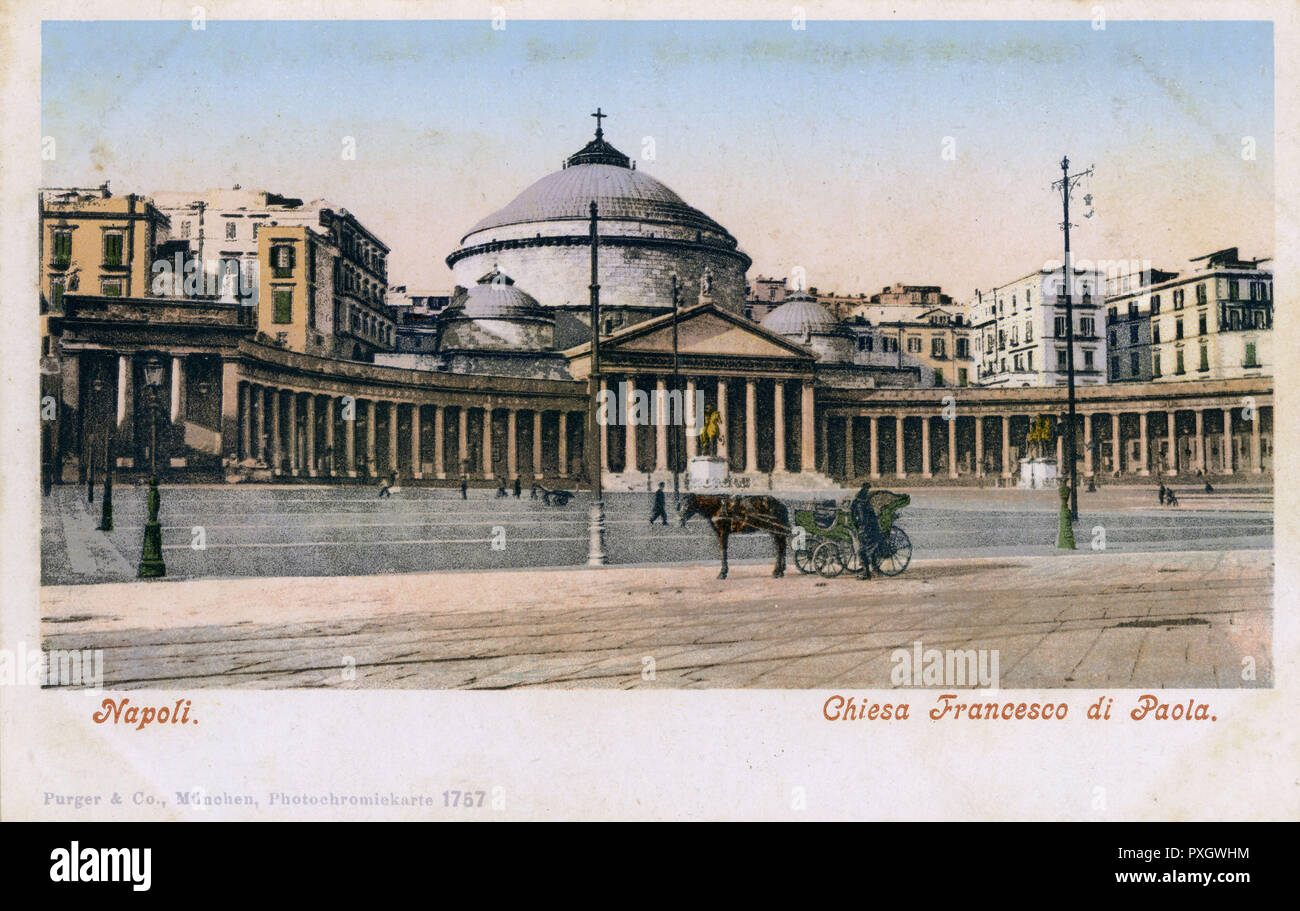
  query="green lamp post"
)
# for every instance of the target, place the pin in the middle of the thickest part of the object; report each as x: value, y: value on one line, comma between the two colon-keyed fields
x: 106, y: 509
x: 151, y: 560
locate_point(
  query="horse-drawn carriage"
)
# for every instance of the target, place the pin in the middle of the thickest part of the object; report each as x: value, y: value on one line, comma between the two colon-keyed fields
x: 555, y: 497
x: 831, y: 539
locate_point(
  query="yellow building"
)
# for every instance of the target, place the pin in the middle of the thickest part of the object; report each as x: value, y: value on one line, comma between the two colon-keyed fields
x: 94, y: 243
x: 294, y: 267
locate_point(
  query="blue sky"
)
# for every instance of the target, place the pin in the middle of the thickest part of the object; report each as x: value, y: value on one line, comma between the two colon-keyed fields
x: 819, y: 148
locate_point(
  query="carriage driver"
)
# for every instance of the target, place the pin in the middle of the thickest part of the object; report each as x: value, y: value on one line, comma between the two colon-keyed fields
x: 868, y: 525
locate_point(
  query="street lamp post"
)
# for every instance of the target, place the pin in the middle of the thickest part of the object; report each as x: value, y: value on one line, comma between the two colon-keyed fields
x: 1066, y: 184
x: 151, y: 559
x: 596, y: 555
x: 681, y: 406
x: 106, y: 506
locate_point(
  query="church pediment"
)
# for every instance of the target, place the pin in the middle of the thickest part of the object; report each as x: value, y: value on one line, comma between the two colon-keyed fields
x: 702, y: 331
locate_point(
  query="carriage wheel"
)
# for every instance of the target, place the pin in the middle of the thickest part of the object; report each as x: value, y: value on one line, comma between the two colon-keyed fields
x: 826, y: 560
x: 803, y: 560
x: 893, y: 558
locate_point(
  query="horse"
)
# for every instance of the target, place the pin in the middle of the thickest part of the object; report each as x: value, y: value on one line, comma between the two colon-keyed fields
x: 729, y: 515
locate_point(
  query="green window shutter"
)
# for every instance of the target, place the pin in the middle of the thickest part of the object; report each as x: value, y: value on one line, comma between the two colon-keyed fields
x: 56, y: 296
x: 112, y: 249
x: 63, y: 248
x: 283, y: 306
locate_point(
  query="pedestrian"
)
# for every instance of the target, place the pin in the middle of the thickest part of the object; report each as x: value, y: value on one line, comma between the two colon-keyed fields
x: 660, y: 512
x: 518, y: 488
x: 868, y: 524
x: 1170, y: 498
x: 388, y: 485
x: 464, y: 488
x: 1209, y: 488
x: 501, y: 489
x: 1163, y: 494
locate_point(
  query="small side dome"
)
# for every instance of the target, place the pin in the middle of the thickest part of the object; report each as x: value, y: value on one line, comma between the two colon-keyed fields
x: 496, y: 297
x: 495, y: 315
x: 801, y: 316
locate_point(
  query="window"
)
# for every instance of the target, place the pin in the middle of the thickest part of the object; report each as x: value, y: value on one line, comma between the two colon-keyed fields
x: 1250, y: 355
x: 1110, y: 315
x: 56, y: 295
x: 889, y: 344
x: 1201, y: 323
x: 1155, y: 364
x: 1113, y: 342
x: 1031, y: 360
x: 1087, y: 358
x: 1178, y: 328
x: 1061, y: 328
x: 1134, y: 364
x: 1133, y: 334
x: 938, y: 376
x: 111, y: 288
x: 1132, y: 309
x: 1179, y: 368
x: 185, y: 230
x: 1205, y: 358
x: 1029, y: 332
x: 1114, y: 368
x: 1088, y: 326
x: 282, y: 258
x: 283, y: 305
x: 1061, y: 361
x: 1200, y: 293
x: 963, y: 348
x: 963, y: 377
x: 1002, y: 339
x: 112, y: 248
x: 62, y: 248
x: 1234, y: 290
x: 1155, y: 304
x: 1017, y: 363
x: 914, y: 345
x: 1178, y: 298
x: 230, y: 230
x: 1155, y: 333
x: 1015, y: 340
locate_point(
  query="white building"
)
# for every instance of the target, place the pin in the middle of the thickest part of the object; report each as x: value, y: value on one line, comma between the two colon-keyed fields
x: 1021, y: 331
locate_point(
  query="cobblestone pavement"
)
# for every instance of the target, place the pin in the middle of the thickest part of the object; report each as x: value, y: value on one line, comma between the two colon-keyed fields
x: 1081, y: 619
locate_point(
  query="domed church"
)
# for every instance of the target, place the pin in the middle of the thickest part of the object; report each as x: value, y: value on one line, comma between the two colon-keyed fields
x: 648, y: 234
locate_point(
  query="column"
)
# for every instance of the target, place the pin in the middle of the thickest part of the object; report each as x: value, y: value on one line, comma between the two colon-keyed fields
x: 604, y: 433
x: 1227, y: 441
x: 277, y: 454
x: 439, y: 456
x: 1256, y: 455
x: 692, y: 420
x: 564, y: 445
x: 350, y: 442
x: 537, y: 444
x: 229, y: 410
x: 724, y: 439
x: 330, y: 468
x: 417, y: 457
x: 512, y: 441
x: 629, y: 430
x: 178, y: 411
x: 487, y: 442
x: 245, y: 421
x: 1087, y: 446
x: 1171, y: 442
x: 661, y: 429
x: 850, y: 463
x: 1198, y: 445
x: 1116, y: 453
x: 1006, y: 447
x: 807, y: 429
x: 125, y: 410
x: 778, y: 415
x: 372, y: 418
x: 875, y: 447
x: 952, y: 447
x: 826, y: 443
x: 979, y: 446
x: 259, y: 445
x: 751, y: 427
x: 295, y: 462
x: 1143, y: 459
x: 311, y: 436
x: 900, y: 466
x: 925, y: 446
x: 393, y: 461
x: 462, y: 441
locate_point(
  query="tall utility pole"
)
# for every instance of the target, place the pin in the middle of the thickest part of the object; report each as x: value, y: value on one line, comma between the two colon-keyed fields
x: 681, y: 407
x: 596, y: 544
x: 1066, y: 184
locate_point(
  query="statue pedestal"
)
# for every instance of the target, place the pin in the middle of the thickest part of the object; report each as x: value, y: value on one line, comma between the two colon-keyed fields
x: 1036, y: 474
x: 706, y: 472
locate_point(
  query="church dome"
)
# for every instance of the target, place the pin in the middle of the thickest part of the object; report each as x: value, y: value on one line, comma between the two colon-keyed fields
x: 495, y: 315
x: 495, y: 296
x: 801, y: 316
x: 649, y: 236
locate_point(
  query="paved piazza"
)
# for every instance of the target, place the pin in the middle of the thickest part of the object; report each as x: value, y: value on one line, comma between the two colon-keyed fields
x: 1177, y: 599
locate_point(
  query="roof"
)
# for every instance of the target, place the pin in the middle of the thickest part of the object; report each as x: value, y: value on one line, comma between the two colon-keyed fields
x: 600, y: 173
x: 800, y: 315
x: 496, y: 297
